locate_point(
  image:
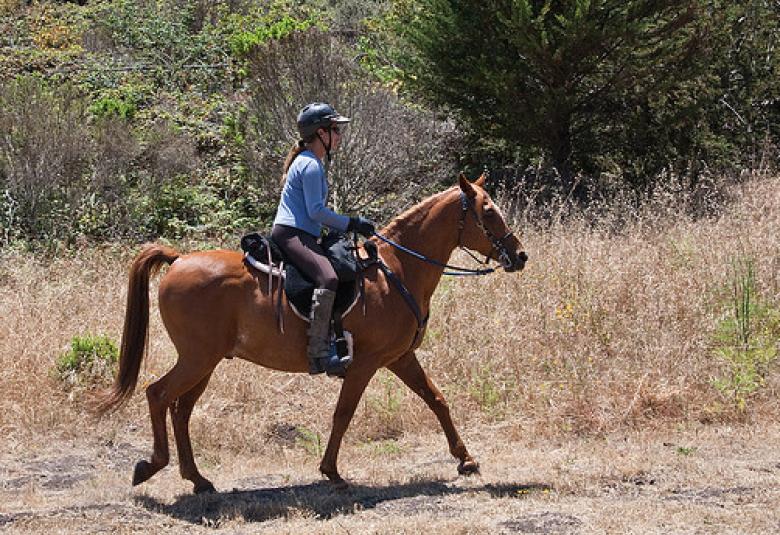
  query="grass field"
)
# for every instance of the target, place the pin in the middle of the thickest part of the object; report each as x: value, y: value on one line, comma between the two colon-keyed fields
x: 626, y: 381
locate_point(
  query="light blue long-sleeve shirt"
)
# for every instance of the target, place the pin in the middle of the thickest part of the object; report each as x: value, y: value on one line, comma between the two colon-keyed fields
x: 304, y: 198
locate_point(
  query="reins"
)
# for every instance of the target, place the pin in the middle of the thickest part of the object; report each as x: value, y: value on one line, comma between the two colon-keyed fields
x: 461, y: 270
x: 498, y: 243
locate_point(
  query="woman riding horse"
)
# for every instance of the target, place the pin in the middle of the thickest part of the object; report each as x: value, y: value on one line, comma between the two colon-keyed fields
x: 214, y: 305
x: 299, y: 219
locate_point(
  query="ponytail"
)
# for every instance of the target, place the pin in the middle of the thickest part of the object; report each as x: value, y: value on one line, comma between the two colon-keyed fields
x: 295, y: 150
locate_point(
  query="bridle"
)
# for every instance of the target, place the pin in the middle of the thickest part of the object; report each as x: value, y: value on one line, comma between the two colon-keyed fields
x: 498, y: 244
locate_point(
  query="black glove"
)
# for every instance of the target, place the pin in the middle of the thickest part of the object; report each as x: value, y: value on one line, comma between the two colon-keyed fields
x: 361, y: 225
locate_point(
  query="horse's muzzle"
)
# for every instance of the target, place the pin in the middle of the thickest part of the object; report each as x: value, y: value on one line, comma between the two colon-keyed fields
x: 518, y: 263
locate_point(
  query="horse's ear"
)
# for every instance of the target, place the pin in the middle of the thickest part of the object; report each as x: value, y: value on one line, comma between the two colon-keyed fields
x: 466, y: 186
x: 481, y: 180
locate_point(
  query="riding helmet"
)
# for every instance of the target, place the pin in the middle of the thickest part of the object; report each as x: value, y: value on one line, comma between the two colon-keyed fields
x: 318, y: 115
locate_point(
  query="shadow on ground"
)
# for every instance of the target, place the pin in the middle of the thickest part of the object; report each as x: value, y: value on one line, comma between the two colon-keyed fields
x: 322, y: 501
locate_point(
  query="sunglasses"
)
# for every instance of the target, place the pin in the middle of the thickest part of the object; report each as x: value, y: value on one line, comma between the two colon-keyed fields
x: 336, y: 129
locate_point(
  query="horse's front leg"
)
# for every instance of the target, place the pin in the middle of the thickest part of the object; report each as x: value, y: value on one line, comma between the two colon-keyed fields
x: 408, y: 369
x: 354, y: 384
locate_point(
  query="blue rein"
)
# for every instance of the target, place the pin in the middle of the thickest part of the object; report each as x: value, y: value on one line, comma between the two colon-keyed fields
x: 462, y: 272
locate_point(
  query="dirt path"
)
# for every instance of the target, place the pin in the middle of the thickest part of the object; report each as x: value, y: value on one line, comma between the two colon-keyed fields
x: 706, y: 480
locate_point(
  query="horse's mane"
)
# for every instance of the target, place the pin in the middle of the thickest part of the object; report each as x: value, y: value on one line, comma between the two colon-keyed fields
x: 414, y: 215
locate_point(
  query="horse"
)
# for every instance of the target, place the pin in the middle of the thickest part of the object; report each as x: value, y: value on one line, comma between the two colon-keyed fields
x: 214, y: 306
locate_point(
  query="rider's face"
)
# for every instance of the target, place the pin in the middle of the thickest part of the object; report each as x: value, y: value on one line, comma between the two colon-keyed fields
x: 335, y: 133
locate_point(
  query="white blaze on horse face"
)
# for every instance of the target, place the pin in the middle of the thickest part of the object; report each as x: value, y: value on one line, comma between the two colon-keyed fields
x: 502, y: 257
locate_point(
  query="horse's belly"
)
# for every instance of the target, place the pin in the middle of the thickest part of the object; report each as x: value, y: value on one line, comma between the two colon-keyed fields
x: 259, y: 338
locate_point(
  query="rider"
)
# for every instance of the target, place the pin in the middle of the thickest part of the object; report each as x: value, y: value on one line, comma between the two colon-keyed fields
x: 299, y: 219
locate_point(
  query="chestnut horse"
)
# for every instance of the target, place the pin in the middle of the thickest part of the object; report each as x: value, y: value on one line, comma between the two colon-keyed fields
x: 214, y: 306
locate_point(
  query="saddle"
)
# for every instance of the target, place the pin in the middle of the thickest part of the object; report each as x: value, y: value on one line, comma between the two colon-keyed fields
x: 263, y: 254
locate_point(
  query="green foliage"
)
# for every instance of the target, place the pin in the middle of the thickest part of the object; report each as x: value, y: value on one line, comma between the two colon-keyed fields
x: 578, y: 59
x: 747, y: 71
x: 311, y: 441
x: 153, y: 135
x: 746, y: 338
x: 488, y: 391
x: 388, y: 404
x: 110, y: 106
x: 243, y: 42
x: 686, y: 451
x: 383, y: 447
x: 91, y: 359
x: 171, y: 41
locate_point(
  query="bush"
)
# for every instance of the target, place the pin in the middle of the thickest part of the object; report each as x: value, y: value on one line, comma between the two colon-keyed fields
x: 746, y: 338
x: 171, y: 41
x: 90, y: 360
x: 112, y: 106
x: 44, y: 154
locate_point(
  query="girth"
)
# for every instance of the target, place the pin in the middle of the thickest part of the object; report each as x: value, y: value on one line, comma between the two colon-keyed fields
x: 373, y: 258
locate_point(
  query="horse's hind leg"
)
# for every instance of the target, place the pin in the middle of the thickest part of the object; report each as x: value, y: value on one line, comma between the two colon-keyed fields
x: 408, y: 369
x: 160, y: 395
x: 181, y: 410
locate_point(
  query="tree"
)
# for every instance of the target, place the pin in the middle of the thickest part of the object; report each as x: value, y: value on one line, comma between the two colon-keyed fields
x: 560, y: 79
x: 747, y: 70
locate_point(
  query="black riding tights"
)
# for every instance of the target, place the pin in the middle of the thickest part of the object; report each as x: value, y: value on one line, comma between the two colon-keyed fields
x: 302, y: 249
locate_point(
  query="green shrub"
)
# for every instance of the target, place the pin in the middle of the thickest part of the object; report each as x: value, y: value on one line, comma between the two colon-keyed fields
x: 241, y: 43
x: 168, y: 40
x: 490, y: 390
x: 310, y: 440
x: 91, y: 359
x: 114, y: 104
x: 746, y: 338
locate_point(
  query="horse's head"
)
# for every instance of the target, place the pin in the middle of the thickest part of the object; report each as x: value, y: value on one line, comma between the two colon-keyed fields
x: 482, y: 227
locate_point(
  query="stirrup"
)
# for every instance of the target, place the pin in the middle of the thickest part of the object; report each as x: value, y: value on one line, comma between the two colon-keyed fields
x: 333, y: 365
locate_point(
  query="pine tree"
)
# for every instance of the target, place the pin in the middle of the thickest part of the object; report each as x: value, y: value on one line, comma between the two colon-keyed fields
x: 561, y: 78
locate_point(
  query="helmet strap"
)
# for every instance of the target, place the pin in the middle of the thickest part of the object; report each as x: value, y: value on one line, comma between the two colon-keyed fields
x: 326, y: 145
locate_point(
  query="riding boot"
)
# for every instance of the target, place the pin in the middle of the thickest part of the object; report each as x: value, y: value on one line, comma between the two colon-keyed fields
x: 322, y: 355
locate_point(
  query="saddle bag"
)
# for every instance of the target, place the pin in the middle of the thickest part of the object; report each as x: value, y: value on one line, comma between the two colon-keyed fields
x: 341, y: 254
x: 258, y: 245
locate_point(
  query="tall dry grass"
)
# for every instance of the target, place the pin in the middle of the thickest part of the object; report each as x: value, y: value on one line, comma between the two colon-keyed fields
x: 610, y: 326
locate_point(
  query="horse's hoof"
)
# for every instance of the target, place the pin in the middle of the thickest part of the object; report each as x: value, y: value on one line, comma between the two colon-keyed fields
x: 142, y: 472
x: 204, y: 487
x: 335, y: 480
x: 467, y: 468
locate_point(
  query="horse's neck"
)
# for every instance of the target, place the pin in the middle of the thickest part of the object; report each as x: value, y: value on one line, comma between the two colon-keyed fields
x: 431, y: 229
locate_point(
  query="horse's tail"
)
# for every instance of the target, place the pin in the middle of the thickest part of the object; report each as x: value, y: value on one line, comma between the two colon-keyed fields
x: 134, y: 335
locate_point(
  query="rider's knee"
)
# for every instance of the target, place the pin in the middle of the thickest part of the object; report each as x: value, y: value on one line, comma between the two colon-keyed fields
x: 328, y: 281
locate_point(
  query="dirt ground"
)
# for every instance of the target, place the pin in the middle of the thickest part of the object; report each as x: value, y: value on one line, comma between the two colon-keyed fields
x: 700, y: 479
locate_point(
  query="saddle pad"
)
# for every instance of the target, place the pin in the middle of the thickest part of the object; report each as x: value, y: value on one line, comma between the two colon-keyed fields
x: 299, y: 289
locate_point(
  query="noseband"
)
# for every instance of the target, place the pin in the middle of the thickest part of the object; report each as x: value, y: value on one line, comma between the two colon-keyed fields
x: 498, y: 243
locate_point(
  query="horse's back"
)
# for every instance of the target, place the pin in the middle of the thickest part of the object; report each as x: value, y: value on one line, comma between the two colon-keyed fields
x: 202, y: 274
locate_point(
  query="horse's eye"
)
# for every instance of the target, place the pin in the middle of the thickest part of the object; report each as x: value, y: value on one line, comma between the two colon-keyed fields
x: 489, y: 211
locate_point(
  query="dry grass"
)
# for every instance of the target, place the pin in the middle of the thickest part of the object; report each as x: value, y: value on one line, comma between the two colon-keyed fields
x: 602, y: 344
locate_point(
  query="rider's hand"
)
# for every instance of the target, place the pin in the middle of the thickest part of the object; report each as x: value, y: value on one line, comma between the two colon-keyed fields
x: 361, y: 225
